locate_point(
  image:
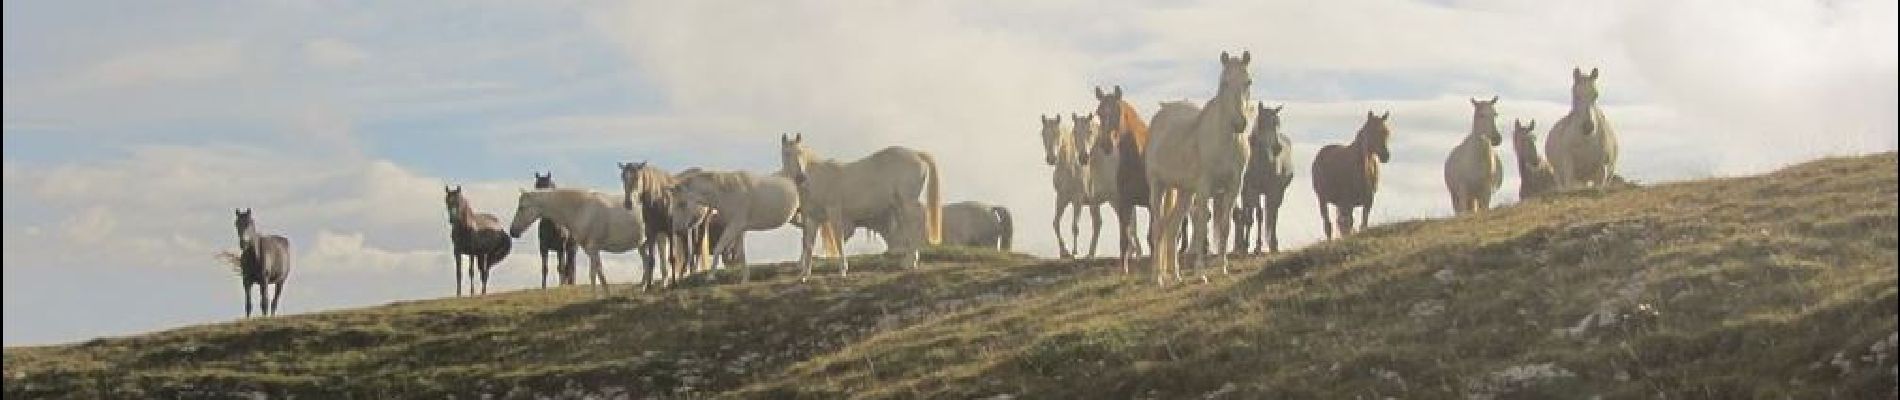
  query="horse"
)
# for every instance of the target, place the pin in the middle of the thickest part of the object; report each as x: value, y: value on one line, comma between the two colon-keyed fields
x: 477, y: 235
x: 1063, y: 149
x: 967, y: 224
x: 977, y: 224
x: 1582, y: 146
x: 746, y: 202
x: 1348, y: 176
x: 262, y: 260
x: 1195, y: 160
x: 1121, y: 173
x: 648, y: 189
x: 834, y: 193
x: 1534, y: 175
x: 553, y: 239
x: 1472, y: 171
x: 594, y: 220
x: 1269, y: 173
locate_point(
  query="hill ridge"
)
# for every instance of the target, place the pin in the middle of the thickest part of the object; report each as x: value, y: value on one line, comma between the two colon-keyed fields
x: 1778, y: 285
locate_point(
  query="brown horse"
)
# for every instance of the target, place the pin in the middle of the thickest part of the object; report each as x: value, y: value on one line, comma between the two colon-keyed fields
x: 480, y: 236
x: 1348, y: 176
x: 554, y: 239
x: 1124, y: 142
x: 1269, y: 173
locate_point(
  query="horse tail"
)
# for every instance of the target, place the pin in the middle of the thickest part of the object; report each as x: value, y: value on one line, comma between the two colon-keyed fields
x: 232, y: 258
x: 829, y: 234
x: 933, y: 210
x: 1006, y: 223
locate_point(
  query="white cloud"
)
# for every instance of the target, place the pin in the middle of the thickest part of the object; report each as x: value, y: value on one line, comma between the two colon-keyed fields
x: 333, y: 53
x: 181, y: 62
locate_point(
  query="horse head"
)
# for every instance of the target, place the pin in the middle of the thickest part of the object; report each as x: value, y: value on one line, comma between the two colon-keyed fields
x: 1266, y: 128
x: 245, y: 225
x: 794, y: 156
x: 1051, y: 137
x: 1524, y: 138
x: 453, y: 201
x: 544, y: 181
x: 1080, y: 136
x: 630, y: 182
x: 527, y: 210
x: 1375, y: 133
x: 1583, y: 87
x: 1484, y: 117
x: 1109, y: 107
x: 1234, y: 81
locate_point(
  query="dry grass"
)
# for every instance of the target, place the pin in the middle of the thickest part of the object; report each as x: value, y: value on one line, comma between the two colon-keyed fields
x: 1781, y: 285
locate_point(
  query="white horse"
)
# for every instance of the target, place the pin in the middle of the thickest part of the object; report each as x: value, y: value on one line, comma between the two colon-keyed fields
x: 1063, y: 149
x: 967, y: 223
x: 1582, y: 146
x: 1195, y: 160
x: 835, y: 193
x: 1472, y: 171
x: 595, y: 221
x: 746, y: 202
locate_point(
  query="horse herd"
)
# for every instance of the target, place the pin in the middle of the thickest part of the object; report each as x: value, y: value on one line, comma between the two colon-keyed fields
x: 1195, y: 167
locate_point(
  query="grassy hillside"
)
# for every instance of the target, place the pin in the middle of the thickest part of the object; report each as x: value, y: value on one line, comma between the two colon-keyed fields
x: 1781, y: 285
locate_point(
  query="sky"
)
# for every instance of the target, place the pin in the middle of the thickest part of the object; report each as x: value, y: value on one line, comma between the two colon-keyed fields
x: 133, y: 128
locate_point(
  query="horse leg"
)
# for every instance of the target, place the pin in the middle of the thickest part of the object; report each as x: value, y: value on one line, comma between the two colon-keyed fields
x: 487, y: 262
x: 1062, y: 249
x: 1270, y: 228
x: 1200, y: 217
x: 1095, y: 224
x: 599, y: 278
x: 1365, y: 214
x: 735, y: 229
x: 1326, y: 220
x: 1240, y: 223
x: 458, y: 273
x: 647, y: 262
x: 1223, y: 212
x: 838, y: 225
x: 1075, y: 227
x: 276, y: 296
x: 1124, y: 233
x: 810, y: 234
x: 247, y: 300
x: 544, y: 268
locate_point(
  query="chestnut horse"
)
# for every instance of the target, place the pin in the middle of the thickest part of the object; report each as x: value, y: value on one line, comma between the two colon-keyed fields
x: 1118, y: 156
x: 1348, y: 176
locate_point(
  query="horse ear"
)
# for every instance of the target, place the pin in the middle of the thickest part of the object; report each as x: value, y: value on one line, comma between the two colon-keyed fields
x: 1118, y: 90
x: 1474, y: 101
x: 1576, y: 72
x: 1282, y: 106
x: 1494, y: 99
x: 1531, y: 126
x: 1098, y: 93
x: 1224, y: 58
x: 1386, y: 116
x: 798, y: 137
x: 1593, y: 73
x: 1246, y: 56
x: 1370, y: 115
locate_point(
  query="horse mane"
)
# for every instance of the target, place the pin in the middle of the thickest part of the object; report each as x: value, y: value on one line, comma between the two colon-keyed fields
x: 1138, y: 128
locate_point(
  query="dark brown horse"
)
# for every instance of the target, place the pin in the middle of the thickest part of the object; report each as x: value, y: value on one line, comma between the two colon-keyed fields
x: 1348, y: 176
x: 1124, y: 136
x: 262, y: 260
x: 1269, y: 172
x: 554, y: 239
x: 480, y: 236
